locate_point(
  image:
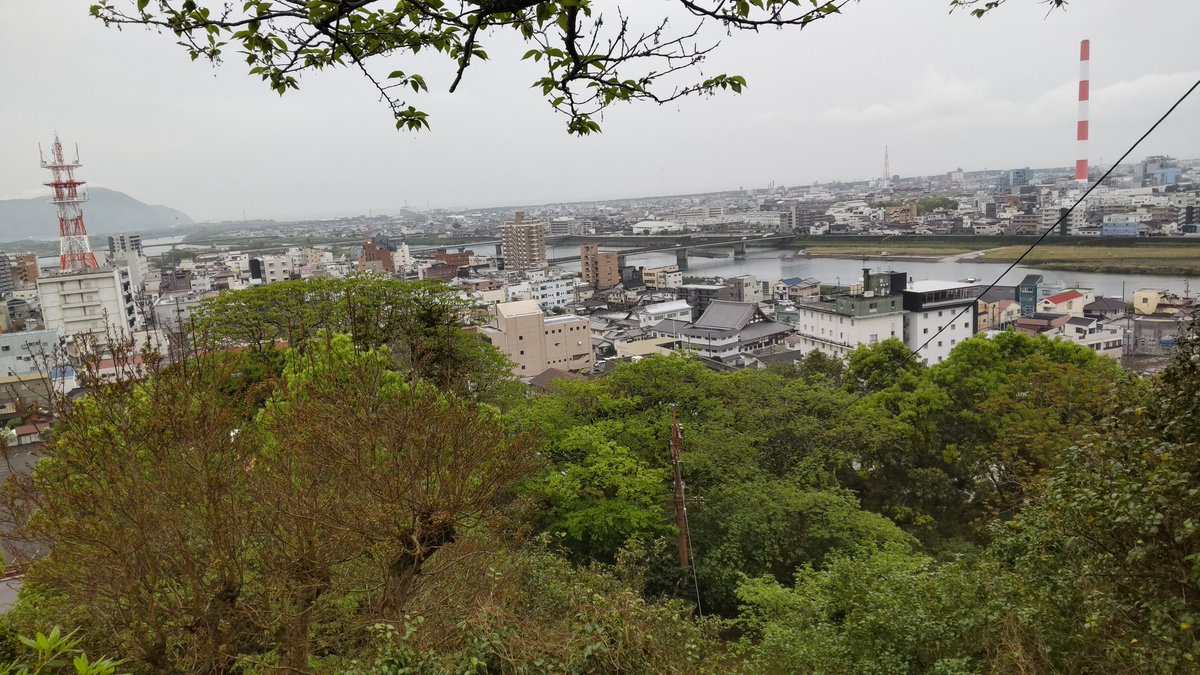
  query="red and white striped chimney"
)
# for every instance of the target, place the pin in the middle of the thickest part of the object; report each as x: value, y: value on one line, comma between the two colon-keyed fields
x: 1081, y: 132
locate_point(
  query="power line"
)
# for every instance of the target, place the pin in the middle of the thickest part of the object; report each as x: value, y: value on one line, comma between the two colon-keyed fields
x: 1061, y: 218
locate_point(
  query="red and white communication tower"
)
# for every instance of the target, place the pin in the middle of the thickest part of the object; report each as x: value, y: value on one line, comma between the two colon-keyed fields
x: 1081, y: 132
x: 74, y: 253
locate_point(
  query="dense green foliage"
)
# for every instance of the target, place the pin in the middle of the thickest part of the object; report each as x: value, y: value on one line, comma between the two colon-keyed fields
x: 336, y: 506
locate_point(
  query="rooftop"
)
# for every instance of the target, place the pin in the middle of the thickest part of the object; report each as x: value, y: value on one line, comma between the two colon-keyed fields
x: 562, y: 318
x: 517, y: 308
x: 726, y: 315
x: 667, y: 307
x: 1065, y: 296
x: 931, y: 285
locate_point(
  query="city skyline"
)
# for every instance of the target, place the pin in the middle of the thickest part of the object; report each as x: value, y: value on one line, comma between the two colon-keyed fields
x: 210, y: 141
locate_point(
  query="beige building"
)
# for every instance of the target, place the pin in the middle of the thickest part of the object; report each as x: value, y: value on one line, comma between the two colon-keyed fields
x: 997, y: 314
x: 523, y: 243
x: 1159, y: 301
x: 535, y: 342
x: 658, y: 278
x: 600, y: 269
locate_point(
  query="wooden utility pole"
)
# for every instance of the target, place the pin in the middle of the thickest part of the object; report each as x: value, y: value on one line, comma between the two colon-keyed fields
x: 680, y: 504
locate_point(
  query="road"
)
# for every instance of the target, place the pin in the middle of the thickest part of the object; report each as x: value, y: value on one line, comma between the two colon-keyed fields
x: 969, y: 255
x: 20, y: 460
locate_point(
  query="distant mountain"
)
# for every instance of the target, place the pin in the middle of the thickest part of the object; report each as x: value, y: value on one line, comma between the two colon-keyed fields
x: 105, y: 212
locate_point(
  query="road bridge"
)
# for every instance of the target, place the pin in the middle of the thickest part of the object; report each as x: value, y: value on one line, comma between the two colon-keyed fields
x: 683, y: 244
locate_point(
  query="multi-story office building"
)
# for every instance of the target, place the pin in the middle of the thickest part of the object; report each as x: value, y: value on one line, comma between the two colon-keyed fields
x: 535, y: 342
x: 600, y: 269
x: 89, y: 302
x: 523, y: 243
x: 933, y: 306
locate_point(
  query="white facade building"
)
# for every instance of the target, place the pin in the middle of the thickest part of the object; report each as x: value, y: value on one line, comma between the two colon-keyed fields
x: 89, y: 302
x: 838, y: 330
x: 932, y: 305
x: 547, y: 293
x: 652, y: 314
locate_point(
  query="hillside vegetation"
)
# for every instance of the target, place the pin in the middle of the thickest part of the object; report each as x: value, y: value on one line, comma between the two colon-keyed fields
x: 377, y: 497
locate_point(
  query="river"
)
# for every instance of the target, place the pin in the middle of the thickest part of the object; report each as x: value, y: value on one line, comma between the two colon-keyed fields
x: 781, y: 264
x: 772, y: 264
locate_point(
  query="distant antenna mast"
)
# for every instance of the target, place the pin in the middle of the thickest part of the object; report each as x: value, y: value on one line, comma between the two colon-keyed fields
x: 1081, y: 131
x: 680, y: 502
x: 74, y: 251
x: 887, y: 169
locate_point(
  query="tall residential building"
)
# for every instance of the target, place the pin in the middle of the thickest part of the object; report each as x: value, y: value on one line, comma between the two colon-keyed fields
x: 933, y: 306
x: 7, y: 284
x: 124, y: 243
x: 523, y: 243
x: 93, y: 301
x: 535, y: 342
x: 25, y: 271
x: 125, y: 250
x: 601, y: 269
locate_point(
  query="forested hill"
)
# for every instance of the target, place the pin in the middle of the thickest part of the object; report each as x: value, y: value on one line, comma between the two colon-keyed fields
x: 105, y: 212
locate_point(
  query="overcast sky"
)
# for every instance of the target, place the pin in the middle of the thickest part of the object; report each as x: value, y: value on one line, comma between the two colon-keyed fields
x: 941, y: 90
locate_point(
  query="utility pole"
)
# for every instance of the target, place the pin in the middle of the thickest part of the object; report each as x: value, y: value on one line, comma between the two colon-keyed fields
x: 680, y: 503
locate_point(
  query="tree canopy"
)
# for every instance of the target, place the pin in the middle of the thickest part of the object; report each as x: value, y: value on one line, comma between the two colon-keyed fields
x: 319, y: 506
x: 594, y: 53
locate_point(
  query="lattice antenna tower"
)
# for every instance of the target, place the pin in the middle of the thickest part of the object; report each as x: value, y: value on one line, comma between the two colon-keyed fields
x: 74, y: 251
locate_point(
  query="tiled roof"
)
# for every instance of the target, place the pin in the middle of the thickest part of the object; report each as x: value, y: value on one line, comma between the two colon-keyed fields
x: 1064, y: 297
x: 726, y: 315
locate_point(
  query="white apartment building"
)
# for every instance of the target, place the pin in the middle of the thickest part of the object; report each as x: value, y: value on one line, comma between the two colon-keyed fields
x: 932, y: 305
x: 89, y: 302
x: 23, y: 352
x: 402, y: 259
x: 650, y: 315
x: 838, y: 327
x: 276, y: 268
x: 239, y: 262
x: 547, y: 293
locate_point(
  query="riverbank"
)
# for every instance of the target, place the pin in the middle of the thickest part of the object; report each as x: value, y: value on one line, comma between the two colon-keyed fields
x: 1141, y: 258
x: 1178, y: 258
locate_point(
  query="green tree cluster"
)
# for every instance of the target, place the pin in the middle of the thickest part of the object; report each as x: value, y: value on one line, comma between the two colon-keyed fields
x: 333, y: 506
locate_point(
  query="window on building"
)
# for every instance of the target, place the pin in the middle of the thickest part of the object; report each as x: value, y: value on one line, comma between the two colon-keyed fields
x: 939, y: 343
x: 925, y: 332
x: 966, y: 324
x: 874, y: 338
